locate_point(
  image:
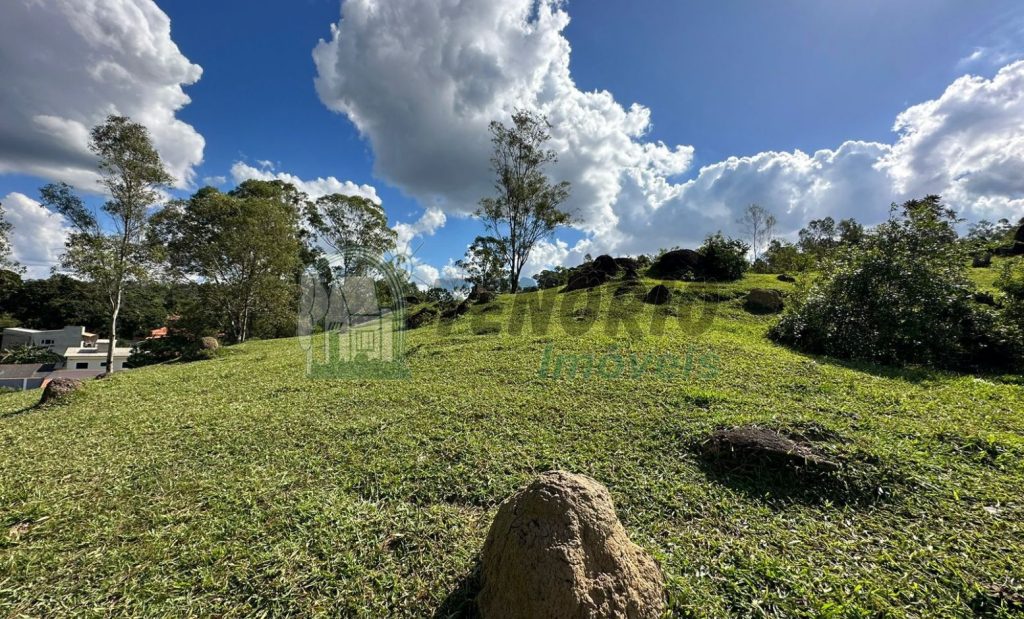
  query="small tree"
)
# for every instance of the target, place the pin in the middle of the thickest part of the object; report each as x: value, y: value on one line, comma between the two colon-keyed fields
x: 526, y: 208
x: 347, y: 223
x: 723, y: 259
x: 759, y: 225
x: 484, y: 265
x: 132, y: 174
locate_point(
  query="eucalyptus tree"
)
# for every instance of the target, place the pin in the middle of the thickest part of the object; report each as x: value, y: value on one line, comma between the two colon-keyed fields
x: 526, y: 207
x: 109, y: 247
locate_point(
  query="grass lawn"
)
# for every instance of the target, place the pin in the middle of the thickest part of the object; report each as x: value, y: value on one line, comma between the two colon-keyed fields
x: 239, y: 487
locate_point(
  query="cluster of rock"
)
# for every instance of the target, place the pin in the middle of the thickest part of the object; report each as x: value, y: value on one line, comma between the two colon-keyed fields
x: 59, y: 390
x: 602, y: 270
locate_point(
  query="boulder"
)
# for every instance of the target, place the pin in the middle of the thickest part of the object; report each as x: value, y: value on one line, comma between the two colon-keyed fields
x: 659, y: 295
x: 677, y: 264
x: 628, y: 264
x: 982, y: 260
x: 557, y: 549
x: 209, y: 343
x: 421, y: 317
x: 605, y: 264
x: 59, y: 390
x: 764, y: 301
x: 984, y: 298
x: 481, y: 295
x: 786, y: 278
x: 455, y: 311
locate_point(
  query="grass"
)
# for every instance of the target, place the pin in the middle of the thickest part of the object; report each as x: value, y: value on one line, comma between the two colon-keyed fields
x: 239, y: 487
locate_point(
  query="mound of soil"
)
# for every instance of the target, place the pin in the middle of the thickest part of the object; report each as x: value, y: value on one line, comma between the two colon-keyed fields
x: 752, y: 446
x: 557, y: 549
x: 59, y: 390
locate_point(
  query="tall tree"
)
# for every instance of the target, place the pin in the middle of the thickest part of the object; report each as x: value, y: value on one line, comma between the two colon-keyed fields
x: 6, y: 262
x: 526, y: 207
x: 113, y: 255
x: 759, y: 225
x: 352, y: 226
x: 245, y: 244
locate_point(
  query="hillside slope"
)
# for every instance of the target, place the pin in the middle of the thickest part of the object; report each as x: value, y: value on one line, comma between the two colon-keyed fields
x: 238, y: 486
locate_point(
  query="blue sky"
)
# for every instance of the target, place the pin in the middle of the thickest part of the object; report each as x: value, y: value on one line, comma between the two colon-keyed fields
x: 718, y: 80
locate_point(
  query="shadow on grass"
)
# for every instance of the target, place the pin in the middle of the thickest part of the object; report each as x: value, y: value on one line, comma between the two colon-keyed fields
x: 19, y: 412
x: 461, y: 602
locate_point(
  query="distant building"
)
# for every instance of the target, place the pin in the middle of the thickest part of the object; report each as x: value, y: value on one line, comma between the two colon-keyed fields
x: 95, y: 357
x: 56, y: 341
x: 80, y: 350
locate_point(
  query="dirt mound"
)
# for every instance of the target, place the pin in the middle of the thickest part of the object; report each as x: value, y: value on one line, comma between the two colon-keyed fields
x: 557, y: 549
x: 59, y: 390
x: 751, y: 445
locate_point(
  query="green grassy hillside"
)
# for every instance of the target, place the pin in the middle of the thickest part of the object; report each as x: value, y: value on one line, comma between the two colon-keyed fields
x: 239, y: 487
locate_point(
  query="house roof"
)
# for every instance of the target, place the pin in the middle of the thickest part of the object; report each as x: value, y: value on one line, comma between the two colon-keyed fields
x: 25, y: 370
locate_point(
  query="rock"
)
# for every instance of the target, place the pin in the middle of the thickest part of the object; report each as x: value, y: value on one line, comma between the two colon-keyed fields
x: 557, y: 549
x: 59, y: 390
x: 982, y: 260
x: 485, y: 296
x: 421, y: 317
x: 764, y: 301
x: 605, y: 264
x: 761, y: 448
x: 411, y: 300
x: 627, y: 264
x: 659, y: 295
x: 455, y: 311
x: 677, y: 264
x: 786, y: 278
x: 984, y: 298
x: 209, y: 343
x: 481, y: 295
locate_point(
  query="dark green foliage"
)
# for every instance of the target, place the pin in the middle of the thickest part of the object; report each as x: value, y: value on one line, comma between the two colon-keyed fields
x: 174, y: 347
x: 484, y: 265
x: 723, y: 259
x: 552, y: 278
x: 29, y: 354
x: 901, y: 296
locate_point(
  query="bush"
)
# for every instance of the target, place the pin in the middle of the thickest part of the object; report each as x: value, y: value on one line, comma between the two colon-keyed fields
x: 1011, y: 316
x: 29, y: 355
x: 174, y: 347
x: 901, y: 296
x: 723, y: 259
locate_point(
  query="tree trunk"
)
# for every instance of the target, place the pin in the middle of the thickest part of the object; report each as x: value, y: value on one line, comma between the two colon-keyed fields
x: 113, y: 334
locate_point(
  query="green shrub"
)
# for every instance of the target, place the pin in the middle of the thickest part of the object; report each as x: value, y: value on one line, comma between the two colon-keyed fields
x: 29, y: 355
x: 901, y: 296
x: 1011, y: 319
x: 723, y: 259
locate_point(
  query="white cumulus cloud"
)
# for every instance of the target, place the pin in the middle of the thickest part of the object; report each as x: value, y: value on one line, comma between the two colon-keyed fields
x: 38, y: 235
x: 452, y: 66
x: 67, y: 64
x: 314, y: 188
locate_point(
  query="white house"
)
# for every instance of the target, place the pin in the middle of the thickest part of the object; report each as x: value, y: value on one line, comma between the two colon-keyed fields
x: 94, y: 357
x: 56, y: 341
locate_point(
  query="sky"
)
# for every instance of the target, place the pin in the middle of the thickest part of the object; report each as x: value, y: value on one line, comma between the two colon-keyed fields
x: 669, y: 117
